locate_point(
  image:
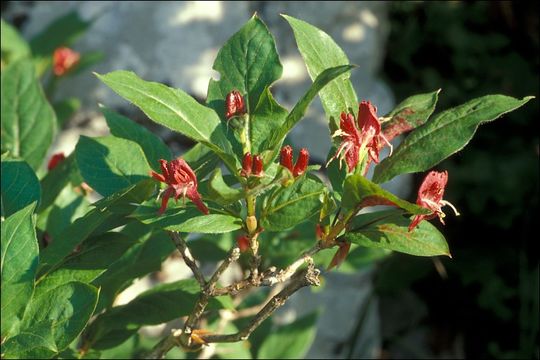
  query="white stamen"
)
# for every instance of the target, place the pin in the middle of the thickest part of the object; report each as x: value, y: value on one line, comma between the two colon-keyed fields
x: 388, y: 143
x: 444, y: 202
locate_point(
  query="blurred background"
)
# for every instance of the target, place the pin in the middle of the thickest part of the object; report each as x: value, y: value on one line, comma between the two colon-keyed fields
x: 484, y: 302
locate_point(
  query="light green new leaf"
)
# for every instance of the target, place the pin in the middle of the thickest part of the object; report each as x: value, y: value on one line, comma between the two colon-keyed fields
x: 320, y: 52
x: 20, y: 186
x: 359, y: 192
x: 109, y: 164
x: 14, y: 46
x: 18, y: 267
x: 249, y: 63
x: 288, y: 206
x: 392, y: 233
x: 187, y: 219
x: 52, y: 321
x: 174, y: 109
x: 153, y: 147
x: 28, y: 120
x: 447, y: 133
x: 290, y: 341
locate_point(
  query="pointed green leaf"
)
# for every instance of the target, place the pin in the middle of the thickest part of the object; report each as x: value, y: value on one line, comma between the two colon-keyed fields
x: 222, y: 193
x: 289, y: 206
x: 446, y: 134
x: 320, y: 52
x: 109, y: 164
x: 14, y: 46
x: 290, y: 341
x: 174, y: 109
x: 160, y: 304
x: 393, y: 233
x: 52, y: 321
x: 20, y: 186
x: 28, y: 121
x: 410, y: 114
x: 187, y: 219
x: 359, y: 192
x: 18, y: 267
x: 153, y: 147
x: 249, y: 63
x: 267, y: 119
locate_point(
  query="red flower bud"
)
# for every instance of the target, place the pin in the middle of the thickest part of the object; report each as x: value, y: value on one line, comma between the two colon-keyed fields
x: 301, y: 163
x: 234, y: 104
x: 64, y: 59
x: 257, y: 166
x: 286, y: 158
x: 55, y: 160
x: 243, y: 242
x: 247, y: 162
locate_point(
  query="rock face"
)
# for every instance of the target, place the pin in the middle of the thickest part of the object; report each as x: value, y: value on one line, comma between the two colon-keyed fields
x: 176, y: 43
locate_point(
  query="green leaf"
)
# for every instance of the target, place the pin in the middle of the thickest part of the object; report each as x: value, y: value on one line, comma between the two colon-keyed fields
x: 20, y: 186
x: 14, y: 46
x: 174, y: 109
x: 187, y: 220
x: 109, y: 164
x: 28, y: 121
x: 153, y: 147
x: 446, y: 134
x: 359, y: 192
x: 116, y: 205
x: 290, y: 341
x: 392, y: 233
x: 69, y: 206
x: 19, y: 264
x: 148, y: 251
x: 201, y: 159
x: 63, y: 31
x: 52, y: 321
x: 297, y: 113
x: 93, y: 259
x: 160, y: 304
x: 57, y: 179
x: 320, y: 52
x: 288, y: 206
x: 249, y: 63
x: 222, y: 193
x: 410, y: 114
x: 358, y: 258
x: 267, y: 119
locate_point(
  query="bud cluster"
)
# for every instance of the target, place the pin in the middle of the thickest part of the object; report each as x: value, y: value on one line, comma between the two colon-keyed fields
x: 251, y: 165
x: 286, y: 160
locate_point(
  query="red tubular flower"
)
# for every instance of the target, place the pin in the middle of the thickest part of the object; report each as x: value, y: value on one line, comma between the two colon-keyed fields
x: 286, y: 157
x: 243, y: 242
x: 355, y: 143
x: 257, y: 166
x: 340, y: 255
x: 64, y: 59
x: 55, y: 160
x: 430, y: 196
x: 182, y: 182
x: 301, y: 163
x: 247, y: 163
x: 234, y: 104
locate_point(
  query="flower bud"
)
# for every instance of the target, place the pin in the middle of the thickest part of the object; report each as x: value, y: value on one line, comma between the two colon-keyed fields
x: 301, y: 163
x: 257, y: 166
x: 55, y: 160
x: 247, y: 162
x: 286, y: 158
x: 243, y: 242
x: 64, y: 59
x: 251, y: 224
x: 234, y: 104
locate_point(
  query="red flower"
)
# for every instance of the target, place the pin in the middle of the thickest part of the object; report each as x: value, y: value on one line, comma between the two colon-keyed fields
x: 340, y: 255
x: 182, y: 182
x: 64, y: 59
x: 234, y: 104
x: 430, y: 196
x: 355, y: 144
x: 251, y: 165
x: 55, y: 160
x: 286, y: 160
